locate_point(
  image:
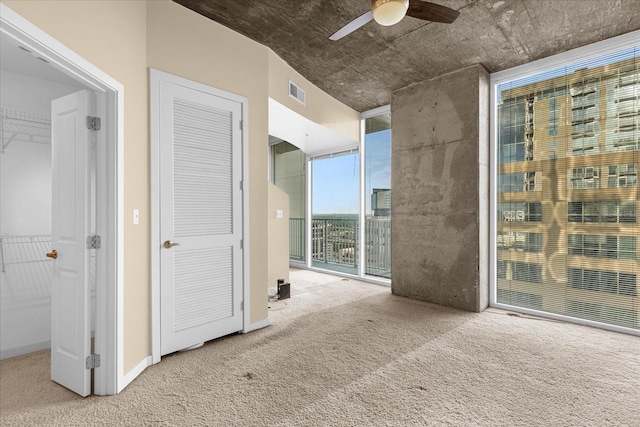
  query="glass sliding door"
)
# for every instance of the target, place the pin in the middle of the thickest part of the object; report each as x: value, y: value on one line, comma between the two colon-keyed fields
x: 377, y: 195
x: 335, y: 205
x: 288, y: 168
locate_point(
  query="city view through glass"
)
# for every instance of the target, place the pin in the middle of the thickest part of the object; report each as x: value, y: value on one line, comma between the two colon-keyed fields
x: 335, y: 200
x: 567, y: 232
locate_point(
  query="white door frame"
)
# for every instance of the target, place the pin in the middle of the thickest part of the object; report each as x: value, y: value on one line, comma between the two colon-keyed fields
x: 155, y: 76
x: 109, y: 377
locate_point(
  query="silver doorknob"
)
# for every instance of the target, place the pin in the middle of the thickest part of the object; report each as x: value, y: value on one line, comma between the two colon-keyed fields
x: 169, y: 244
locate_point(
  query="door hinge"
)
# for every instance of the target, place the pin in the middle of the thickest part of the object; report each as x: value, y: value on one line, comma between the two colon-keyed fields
x: 93, y: 242
x: 241, y: 244
x: 241, y: 305
x: 241, y: 124
x: 92, y: 361
x: 93, y: 123
x: 241, y: 185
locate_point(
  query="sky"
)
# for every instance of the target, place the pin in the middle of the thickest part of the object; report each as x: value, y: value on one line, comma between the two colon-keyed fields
x: 336, y: 179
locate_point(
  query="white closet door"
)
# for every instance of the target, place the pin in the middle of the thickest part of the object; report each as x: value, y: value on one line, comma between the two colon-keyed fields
x: 70, y: 290
x: 200, y: 217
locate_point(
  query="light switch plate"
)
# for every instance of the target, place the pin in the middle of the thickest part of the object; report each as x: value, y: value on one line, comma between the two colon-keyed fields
x: 136, y: 216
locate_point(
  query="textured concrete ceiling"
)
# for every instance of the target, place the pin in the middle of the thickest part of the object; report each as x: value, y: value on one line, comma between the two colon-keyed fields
x: 362, y: 69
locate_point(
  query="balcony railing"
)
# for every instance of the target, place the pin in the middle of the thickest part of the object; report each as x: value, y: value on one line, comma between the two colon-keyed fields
x: 377, y: 240
x: 335, y: 242
x: 296, y: 239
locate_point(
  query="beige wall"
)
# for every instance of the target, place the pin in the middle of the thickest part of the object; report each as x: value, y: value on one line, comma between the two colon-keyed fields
x: 124, y: 39
x: 184, y: 43
x: 278, y: 250
x: 113, y: 37
x: 320, y: 107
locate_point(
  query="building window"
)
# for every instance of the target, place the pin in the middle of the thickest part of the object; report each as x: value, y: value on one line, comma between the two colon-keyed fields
x: 520, y: 241
x: 582, y: 178
x: 502, y: 269
x: 517, y: 182
x: 553, y: 117
x: 519, y: 212
x: 614, y: 176
x: 511, y: 139
x: 599, y: 246
x: 622, y: 176
x: 612, y: 282
x: 606, y: 211
x: 566, y: 150
x: 520, y: 271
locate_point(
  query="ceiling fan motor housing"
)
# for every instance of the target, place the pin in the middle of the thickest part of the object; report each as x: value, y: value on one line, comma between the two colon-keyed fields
x: 389, y: 12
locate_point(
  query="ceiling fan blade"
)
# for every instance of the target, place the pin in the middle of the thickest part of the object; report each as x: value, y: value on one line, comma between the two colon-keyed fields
x: 431, y: 12
x: 352, y: 26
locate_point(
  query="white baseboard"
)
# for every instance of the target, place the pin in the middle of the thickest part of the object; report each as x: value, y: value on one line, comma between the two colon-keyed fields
x: 258, y: 325
x: 133, y: 374
x: 25, y: 349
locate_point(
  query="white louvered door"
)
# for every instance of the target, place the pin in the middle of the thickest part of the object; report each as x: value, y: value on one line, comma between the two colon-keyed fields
x: 200, y: 217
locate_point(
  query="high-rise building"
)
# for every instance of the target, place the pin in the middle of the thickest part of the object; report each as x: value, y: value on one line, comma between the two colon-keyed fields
x: 381, y: 201
x: 567, y: 231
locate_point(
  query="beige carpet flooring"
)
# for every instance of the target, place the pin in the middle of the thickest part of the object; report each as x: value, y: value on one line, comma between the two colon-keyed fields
x: 344, y: 353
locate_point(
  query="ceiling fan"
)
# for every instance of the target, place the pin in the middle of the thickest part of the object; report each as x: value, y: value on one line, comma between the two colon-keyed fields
x: 390, y: 12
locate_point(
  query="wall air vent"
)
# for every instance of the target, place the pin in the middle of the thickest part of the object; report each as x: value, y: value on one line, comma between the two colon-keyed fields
x: 296, y: 92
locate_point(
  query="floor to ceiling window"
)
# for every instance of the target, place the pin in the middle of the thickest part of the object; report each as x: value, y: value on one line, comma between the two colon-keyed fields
x: 567, y: 140
x: 335, y: 204
x: 340, y: 201
x: 377, y: 194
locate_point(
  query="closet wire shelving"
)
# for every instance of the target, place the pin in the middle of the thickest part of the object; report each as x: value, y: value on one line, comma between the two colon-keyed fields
x: 24, y: 267
x: 25, y: 127
x: 23, y: 261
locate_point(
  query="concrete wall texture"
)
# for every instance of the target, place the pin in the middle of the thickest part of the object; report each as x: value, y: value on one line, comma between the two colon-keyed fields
x: 440, y: 130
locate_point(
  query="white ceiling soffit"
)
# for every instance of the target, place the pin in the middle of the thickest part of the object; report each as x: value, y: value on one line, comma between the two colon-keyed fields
x: 313, y: 139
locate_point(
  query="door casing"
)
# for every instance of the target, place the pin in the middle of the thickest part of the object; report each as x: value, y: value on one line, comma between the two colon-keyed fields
x: 108, y: 378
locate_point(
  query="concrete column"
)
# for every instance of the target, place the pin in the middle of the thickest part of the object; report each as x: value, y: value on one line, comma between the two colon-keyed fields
x: 439, y: 204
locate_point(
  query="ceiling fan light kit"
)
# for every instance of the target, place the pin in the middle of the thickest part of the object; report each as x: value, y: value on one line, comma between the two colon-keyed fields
x: 389, y: 12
